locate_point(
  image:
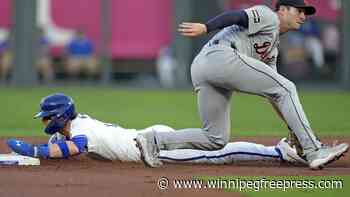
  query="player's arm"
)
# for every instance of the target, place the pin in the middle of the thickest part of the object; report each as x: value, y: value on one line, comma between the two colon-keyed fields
x: 59, y: 149
x: 64, y: 149
x: 219, y: 22
x: 56, y: 150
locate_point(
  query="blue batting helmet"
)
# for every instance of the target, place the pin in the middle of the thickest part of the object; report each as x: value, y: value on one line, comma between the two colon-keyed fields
x: 59, y: 108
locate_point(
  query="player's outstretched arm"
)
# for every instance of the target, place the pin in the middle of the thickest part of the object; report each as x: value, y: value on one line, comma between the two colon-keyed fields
x: 59, y: 149
x: 221, y: 21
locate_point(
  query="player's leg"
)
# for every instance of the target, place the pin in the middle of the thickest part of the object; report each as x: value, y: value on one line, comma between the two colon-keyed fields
x: 228, y: 69
x: 213, y: 105
x: 232, y: 152
x: 258, y: 78
x: 214, y: 110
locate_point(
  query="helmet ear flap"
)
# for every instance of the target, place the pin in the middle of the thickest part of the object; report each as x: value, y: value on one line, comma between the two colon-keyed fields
x: 70, y: 113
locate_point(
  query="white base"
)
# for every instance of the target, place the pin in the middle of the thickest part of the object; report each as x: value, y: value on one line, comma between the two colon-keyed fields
x: 15, y: 159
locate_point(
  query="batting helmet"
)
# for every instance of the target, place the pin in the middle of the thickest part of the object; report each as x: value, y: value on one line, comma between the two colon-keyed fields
x: 59, y: 108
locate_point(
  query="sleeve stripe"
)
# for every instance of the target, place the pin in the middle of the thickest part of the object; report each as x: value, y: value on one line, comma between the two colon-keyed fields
x: 256, y: 16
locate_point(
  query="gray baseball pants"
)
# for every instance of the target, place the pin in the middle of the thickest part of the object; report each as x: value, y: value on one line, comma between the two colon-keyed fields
x: 217, y: 72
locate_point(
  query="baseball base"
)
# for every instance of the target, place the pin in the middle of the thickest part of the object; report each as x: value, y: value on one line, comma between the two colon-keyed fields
x: 15, y: 159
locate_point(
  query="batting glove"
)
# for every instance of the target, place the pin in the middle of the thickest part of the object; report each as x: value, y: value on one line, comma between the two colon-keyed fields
x: 27, y: 149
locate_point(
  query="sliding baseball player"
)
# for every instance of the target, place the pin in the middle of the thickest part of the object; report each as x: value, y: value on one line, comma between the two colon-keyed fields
x: 73, y: 134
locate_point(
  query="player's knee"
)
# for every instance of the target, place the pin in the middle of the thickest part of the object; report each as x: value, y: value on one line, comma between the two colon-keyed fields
x: 290, y: 86
x: 287, y: 88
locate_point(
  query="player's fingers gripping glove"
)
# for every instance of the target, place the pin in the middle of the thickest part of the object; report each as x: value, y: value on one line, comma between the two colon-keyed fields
x: 26, y: 149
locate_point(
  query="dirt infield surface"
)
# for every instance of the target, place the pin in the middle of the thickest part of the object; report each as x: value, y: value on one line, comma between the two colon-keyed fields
x: 83, y: 176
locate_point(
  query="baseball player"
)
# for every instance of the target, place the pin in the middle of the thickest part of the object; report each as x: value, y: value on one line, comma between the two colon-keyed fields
x: 242, y: 57
x: 74, y: 133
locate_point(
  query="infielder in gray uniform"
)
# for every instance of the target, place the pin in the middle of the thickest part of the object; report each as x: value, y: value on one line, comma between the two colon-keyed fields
x: 242, y: 57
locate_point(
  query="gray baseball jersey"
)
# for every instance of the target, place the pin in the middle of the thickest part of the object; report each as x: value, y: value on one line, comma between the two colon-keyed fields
x: 239, y: 59
x: 260, y: 40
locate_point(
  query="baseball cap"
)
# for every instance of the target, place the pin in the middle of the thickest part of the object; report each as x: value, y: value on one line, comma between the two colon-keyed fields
x: 309, y: 9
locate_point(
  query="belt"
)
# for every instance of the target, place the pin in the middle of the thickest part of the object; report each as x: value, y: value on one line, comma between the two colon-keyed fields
x: 217, y: 42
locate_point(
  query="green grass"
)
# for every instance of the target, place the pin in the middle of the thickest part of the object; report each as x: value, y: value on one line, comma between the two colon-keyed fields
x: 328, y: 112
x: 302, y: 186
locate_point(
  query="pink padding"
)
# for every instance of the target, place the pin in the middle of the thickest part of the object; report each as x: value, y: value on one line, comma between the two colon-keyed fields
x: 139, y: 28
x: 5, y: 13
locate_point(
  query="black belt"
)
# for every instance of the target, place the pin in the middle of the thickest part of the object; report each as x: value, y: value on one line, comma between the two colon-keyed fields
x: 217, y: 42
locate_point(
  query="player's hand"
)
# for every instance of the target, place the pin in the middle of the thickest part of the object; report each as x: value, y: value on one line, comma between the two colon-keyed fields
x: 21, y: 147
x: 26, y: 149
x: 192, y: 29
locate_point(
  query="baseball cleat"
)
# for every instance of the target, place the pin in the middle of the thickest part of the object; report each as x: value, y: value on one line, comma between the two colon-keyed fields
x: 326, y: 155
x: 288, y: 153
x: 145, y: 142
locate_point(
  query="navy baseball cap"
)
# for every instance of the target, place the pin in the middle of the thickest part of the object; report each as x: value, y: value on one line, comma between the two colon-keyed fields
x: 309, y: 9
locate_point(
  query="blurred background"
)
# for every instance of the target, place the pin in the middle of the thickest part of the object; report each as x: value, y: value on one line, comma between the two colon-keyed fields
x: 123, y: 62
x: 134, y: 43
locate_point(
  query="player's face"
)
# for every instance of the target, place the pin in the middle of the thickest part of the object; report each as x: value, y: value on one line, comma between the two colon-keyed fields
x: 295, y: 17
x: 65, y: 131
